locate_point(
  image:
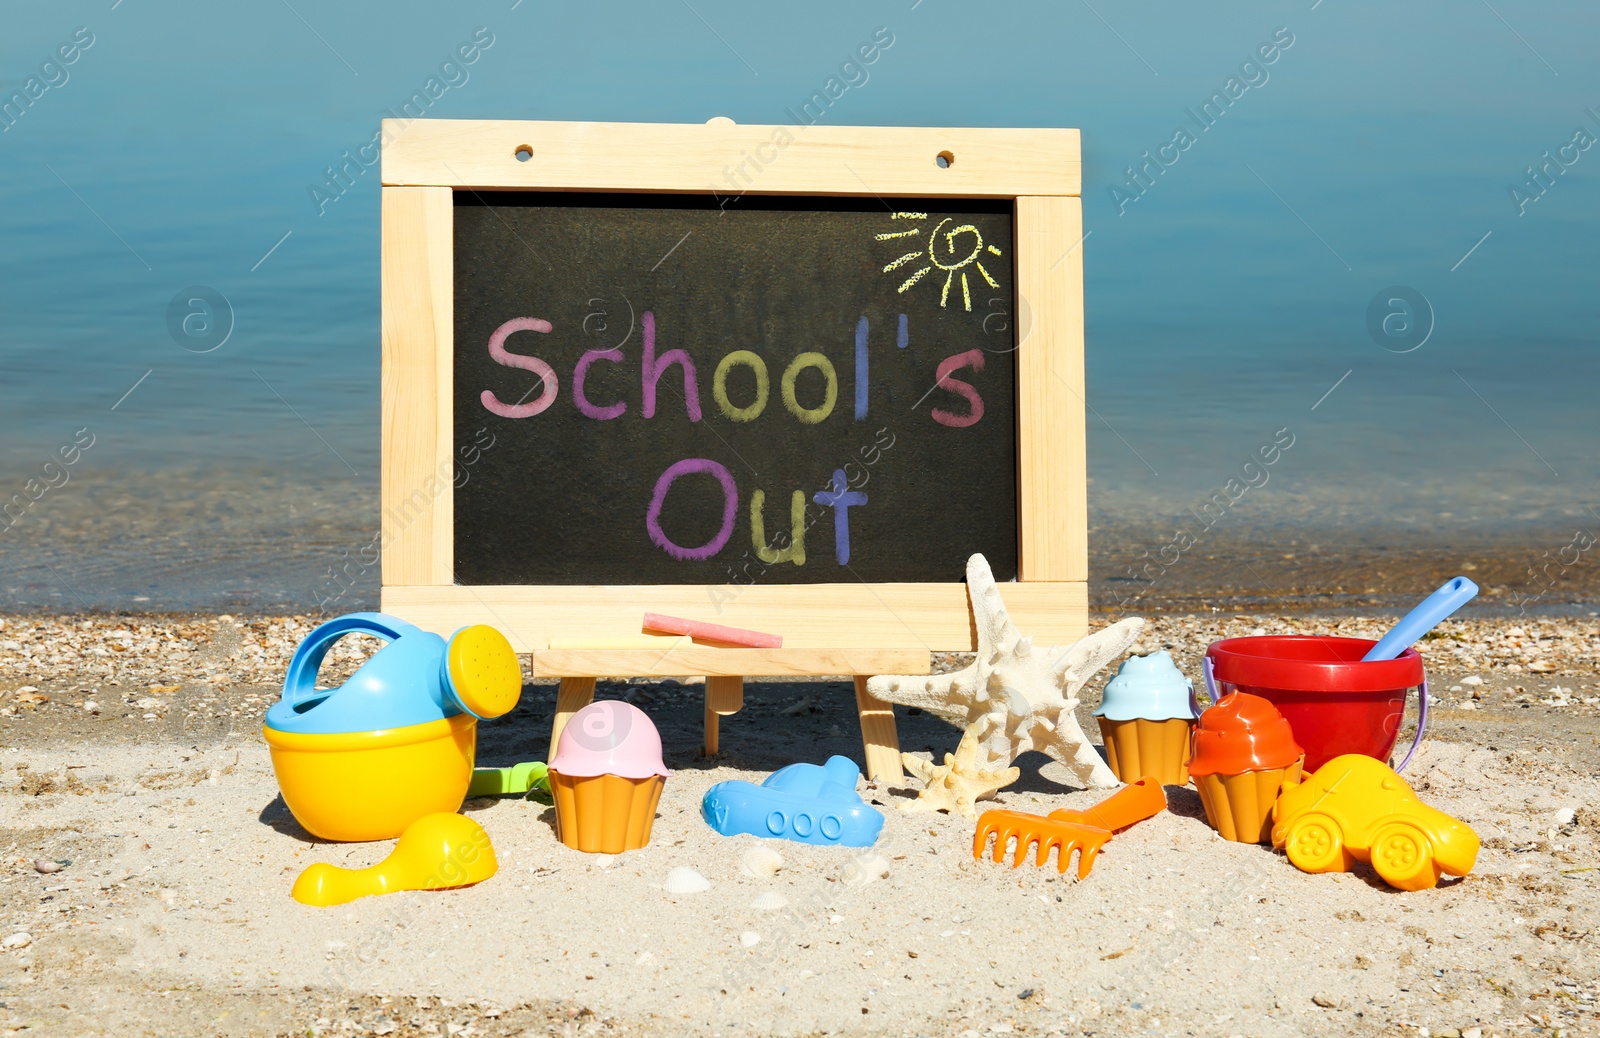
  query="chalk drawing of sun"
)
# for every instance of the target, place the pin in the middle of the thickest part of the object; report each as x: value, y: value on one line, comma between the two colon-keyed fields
x: 950, y: 249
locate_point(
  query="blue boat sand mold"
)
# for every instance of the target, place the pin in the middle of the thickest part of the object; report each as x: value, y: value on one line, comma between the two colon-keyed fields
x: 802, y: 802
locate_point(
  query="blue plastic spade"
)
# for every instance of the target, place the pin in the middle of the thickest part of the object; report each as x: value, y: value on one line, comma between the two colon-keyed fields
x: 1452, y: 596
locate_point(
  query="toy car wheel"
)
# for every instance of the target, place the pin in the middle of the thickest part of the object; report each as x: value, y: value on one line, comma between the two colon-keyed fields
x: 1315, y: 843
x: 1402, y: 854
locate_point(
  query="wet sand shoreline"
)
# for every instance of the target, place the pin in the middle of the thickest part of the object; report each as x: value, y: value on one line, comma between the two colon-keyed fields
x: 260, y: 541
x: 1309, y: 578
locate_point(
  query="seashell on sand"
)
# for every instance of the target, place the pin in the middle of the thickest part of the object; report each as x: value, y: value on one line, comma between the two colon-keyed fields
x: 771, y: 901
x: 760, y: 862
x: 684, y: 880
x: 749, y: 938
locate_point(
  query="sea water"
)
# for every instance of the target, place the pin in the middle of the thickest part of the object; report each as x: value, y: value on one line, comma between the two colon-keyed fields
x: 1367, y: 231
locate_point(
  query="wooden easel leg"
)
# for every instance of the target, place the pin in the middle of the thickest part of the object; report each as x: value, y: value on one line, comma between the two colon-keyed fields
x: 711, y: 730
x: 878, y: 735
x: 724, y: 695
x: 574, y: 695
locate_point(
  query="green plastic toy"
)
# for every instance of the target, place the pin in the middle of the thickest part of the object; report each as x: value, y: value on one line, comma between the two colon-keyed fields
x: 515, y: 781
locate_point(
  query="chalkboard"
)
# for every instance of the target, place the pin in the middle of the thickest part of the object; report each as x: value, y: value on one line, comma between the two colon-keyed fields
x: 632, y: 373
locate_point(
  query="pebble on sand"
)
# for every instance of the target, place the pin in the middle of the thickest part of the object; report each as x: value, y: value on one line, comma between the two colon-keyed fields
x: 864, y: 868
x: 20, y: 939
x: 749, y: 938
x: 46, y: 866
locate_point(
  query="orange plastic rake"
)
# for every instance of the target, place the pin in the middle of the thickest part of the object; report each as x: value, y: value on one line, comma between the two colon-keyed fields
x: 1132, y: 803
x: 1045, y: 833
x: 1065, y: 830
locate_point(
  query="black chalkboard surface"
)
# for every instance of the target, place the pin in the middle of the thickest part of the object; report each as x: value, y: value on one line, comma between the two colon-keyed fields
x: 646, y: 369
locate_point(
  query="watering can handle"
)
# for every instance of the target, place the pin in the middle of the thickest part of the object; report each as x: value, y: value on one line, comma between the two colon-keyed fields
x: 300, y: 682
x: 1422, y: 722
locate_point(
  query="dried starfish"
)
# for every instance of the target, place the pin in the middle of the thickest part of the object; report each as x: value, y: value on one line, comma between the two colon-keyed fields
x: 1015, y: 697
x: 957, y: 783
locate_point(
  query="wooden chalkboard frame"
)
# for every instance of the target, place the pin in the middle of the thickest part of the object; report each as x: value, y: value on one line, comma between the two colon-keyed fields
x: 870, y: 627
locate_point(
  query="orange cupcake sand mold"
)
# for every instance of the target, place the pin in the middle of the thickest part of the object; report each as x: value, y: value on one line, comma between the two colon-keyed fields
x: 1242, y: 733
x: 606, y: 814
x: 1244, y: 750
x: 1239, y: 807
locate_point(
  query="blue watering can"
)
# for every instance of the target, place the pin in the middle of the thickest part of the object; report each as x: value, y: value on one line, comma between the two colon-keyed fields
x: 398, y: 740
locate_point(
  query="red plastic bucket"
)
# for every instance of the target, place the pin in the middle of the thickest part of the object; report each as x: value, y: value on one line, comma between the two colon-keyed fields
x: 1335, y: 703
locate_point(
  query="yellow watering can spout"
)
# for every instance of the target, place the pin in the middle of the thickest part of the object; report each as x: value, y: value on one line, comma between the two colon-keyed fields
x: 323, y: 884
x: 436, y: 852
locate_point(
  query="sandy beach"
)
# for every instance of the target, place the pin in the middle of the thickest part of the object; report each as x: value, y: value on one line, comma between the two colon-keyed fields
x: 172, y: 914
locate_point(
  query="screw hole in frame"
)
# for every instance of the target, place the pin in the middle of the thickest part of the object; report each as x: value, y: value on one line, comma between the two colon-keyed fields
x: 945, y: 159
x: 524, y: 152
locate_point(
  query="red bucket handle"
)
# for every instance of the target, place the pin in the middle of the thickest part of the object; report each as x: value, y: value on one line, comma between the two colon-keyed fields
x: 1422, y: 722
x: 1422, y: 707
